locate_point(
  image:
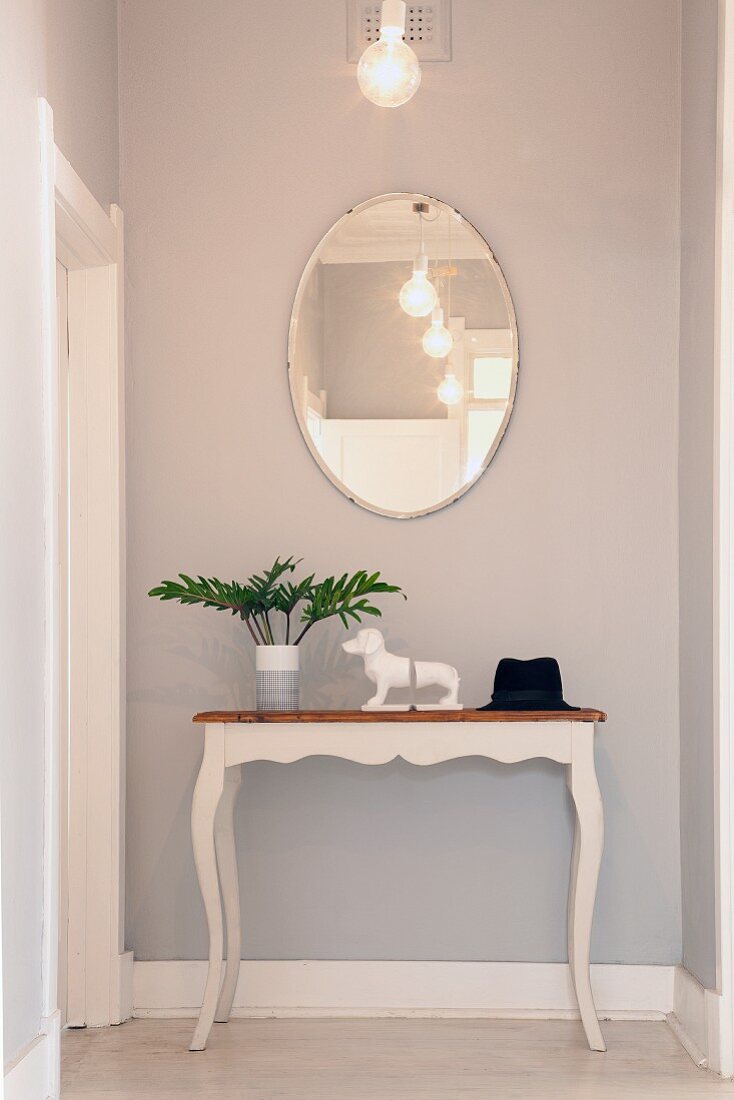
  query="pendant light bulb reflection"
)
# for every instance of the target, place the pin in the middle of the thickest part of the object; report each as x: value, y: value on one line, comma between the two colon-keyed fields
x: 437, y: 340
x: 418, y: 296
x: 388, y: 72
x: 451, y: 391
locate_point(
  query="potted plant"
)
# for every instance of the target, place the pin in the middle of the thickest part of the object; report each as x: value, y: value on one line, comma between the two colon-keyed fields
x: 266, y: 602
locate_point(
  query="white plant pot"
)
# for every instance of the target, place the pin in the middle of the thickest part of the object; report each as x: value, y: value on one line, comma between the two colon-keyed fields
x: 277, y: 677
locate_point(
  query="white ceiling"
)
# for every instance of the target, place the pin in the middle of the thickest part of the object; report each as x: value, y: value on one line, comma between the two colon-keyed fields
x: 390, y: 231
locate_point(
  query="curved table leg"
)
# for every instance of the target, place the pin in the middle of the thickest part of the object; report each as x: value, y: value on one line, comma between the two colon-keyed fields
x: 229, y: 881
x: 207, y: 793
x: 572, y: 884
x: 588, y: 845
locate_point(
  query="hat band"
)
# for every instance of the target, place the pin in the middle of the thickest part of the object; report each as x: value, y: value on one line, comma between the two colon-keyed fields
x: 526, y: 696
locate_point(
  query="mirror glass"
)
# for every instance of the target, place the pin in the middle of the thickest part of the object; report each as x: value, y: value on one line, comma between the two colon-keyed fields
x: 403, y: 355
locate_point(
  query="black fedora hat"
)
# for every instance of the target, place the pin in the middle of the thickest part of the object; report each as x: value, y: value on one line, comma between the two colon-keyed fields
x: 528, y: 685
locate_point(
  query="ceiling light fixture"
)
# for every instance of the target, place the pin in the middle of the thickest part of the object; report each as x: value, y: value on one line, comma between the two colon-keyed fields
x: 418, y: 296
x: 450, y: 391
x: 388, y: 72
x: 437, y: 340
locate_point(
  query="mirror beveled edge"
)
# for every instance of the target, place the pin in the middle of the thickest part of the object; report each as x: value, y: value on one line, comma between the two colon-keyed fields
x: 414, y: 196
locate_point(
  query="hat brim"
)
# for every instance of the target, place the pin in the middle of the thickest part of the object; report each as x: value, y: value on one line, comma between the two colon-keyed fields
x: 561, y: 705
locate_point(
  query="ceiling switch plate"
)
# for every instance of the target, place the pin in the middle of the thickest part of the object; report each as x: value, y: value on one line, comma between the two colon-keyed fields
x: 427, y: 28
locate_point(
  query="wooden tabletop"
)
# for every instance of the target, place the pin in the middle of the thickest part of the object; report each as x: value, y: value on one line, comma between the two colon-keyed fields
x: 305, y: 716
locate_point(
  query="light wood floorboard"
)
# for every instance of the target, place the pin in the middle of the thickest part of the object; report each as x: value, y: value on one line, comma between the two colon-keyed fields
x: 381, y: 1059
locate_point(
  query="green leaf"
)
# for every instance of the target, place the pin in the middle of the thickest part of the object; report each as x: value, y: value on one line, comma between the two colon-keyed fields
x: 345, y: 596
x: 209, y: 592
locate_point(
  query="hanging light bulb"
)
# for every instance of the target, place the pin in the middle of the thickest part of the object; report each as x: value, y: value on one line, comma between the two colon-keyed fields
x: 451, y: 391
x: 418, y: 296
x: 388, y: 72
x: 437, y: 340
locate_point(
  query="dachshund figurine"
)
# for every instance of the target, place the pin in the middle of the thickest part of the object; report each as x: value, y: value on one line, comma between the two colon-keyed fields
x: 386, y: 670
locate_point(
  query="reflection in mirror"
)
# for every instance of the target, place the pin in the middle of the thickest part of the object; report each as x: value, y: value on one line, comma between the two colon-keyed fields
x: 403, y: 355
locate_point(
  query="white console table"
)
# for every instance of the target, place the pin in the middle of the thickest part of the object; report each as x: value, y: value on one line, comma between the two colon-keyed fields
x: 233, y: 738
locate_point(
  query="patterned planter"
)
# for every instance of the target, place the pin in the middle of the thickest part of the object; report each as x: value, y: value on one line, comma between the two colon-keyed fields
x: 277, y: 677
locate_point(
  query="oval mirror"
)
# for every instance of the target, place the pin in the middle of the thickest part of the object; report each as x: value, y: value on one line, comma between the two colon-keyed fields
x: 403, y: 355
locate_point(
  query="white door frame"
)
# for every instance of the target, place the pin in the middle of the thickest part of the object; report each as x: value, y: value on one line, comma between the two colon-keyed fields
x: 721, y: 1035
x: 89, y: 243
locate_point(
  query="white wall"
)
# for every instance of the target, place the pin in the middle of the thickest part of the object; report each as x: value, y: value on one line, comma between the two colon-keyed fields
x: 21, y: 494
x: 556, y: 132
x: 696, y: 457
x: 23, y: 38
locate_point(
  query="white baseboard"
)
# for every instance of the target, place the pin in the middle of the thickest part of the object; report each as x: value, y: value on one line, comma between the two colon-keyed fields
x: 688, y: 1018
x: 121, y: 993
x: 34, y: 1074
x: 473, y: 989
x: 695, y: 1019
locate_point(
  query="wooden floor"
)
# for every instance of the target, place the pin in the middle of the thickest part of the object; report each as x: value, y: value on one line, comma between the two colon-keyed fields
x: 380, y: 1060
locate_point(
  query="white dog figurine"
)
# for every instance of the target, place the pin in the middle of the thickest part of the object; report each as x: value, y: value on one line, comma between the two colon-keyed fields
x: 386, y: 670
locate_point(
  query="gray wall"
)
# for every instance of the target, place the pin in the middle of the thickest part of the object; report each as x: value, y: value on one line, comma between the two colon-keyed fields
x: 26, y: 28
x: 375, y: 366
x: 698, y: 209
x: 81, y: 43
x: 558, y: 126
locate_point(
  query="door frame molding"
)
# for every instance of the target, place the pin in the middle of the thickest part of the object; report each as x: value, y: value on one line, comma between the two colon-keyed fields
x: 89, y: 243
x: 721, y: 1034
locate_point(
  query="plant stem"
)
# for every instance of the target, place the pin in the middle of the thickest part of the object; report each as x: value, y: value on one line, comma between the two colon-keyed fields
x: 305, y: 631
x: 259, y: 630
x: 269, y: 629
x: 248, y: 624
x: 287, y: 627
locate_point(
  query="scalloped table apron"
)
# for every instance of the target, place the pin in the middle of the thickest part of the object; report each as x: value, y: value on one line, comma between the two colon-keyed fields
x: 233, y: 738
